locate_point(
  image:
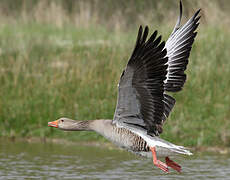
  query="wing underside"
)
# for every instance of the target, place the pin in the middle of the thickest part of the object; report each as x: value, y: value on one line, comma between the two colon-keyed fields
x: 178, y: 48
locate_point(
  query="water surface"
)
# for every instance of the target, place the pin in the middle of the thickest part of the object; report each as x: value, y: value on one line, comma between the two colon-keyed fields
x: 21, y: 160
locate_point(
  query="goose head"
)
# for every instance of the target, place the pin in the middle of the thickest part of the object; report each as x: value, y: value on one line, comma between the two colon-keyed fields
x: 67, y: 124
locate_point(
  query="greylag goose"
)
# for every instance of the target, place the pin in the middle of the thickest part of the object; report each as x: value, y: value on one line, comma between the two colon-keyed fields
x: 153, y: 69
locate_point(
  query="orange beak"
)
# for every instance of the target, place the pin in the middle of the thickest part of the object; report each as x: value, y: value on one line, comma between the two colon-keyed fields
x: 53, y: 124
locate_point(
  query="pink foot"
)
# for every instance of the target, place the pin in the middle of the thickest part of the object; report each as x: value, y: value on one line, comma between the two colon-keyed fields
x: 157, y: 162
x: 172, y: 164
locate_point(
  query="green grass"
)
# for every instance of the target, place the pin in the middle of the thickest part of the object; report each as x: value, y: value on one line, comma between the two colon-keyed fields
x: 47, y: 72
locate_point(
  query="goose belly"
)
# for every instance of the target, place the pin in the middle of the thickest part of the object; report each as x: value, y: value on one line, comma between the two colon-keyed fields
x: 128, y: 140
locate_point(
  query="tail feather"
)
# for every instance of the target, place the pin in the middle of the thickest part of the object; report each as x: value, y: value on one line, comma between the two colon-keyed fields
x: 181, y: 150
x: 172, y: 147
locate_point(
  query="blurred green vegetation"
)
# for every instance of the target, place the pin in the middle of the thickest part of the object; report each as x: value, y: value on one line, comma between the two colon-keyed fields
x: 64, y: 58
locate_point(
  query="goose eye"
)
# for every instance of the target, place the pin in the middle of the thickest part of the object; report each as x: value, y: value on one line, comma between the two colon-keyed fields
x: 62, y: 120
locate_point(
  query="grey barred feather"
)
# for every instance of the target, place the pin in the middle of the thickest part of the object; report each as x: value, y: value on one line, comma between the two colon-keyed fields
x: 137, y: 143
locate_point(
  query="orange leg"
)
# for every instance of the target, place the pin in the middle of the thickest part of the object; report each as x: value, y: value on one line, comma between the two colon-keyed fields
x: 172, y: 164
x: 157, y: 162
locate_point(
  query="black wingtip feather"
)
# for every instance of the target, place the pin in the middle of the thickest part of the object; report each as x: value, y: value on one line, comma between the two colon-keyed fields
x: 145, y: 35
x: 196, y: 13
x: 139, y: 34
x: 177, y: 26
x: 157, y: 41
x: 152, y: 38
x: 181, y: 10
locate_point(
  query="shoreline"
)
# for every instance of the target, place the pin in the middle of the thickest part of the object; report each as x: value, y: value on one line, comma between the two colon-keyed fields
x: 107, y: 144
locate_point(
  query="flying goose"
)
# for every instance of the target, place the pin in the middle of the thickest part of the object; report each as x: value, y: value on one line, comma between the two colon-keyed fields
x: 143, y: 105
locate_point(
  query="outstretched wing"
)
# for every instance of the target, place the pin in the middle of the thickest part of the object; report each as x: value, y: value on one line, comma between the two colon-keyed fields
x: 141, y: 100
x: 178, y: 48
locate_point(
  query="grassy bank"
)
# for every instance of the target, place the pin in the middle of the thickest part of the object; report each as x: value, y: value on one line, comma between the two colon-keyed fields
x: 49, y: 70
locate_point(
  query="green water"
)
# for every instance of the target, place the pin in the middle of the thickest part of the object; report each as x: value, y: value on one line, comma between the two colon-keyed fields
x: 20, y: 160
